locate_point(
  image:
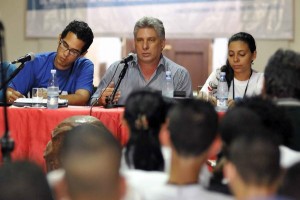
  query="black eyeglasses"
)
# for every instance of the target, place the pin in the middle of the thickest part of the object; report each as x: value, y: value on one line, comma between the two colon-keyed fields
x: 73, y: 52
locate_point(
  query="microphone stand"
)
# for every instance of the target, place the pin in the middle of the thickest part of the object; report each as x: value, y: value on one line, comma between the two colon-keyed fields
x: 109, y: 100
x: 7, y: 144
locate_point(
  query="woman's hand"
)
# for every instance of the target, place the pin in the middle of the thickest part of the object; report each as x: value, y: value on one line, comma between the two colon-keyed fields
x: 231, y: 103
x: 210, y: 98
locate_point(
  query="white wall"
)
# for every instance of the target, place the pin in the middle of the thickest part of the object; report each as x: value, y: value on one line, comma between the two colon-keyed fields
x: 13, y: 13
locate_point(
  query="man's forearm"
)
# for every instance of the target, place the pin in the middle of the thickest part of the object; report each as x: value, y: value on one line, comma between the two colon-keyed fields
x: 75, y: 99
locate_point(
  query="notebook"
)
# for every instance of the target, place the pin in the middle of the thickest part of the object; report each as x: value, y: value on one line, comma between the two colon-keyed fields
x: 27, y: 102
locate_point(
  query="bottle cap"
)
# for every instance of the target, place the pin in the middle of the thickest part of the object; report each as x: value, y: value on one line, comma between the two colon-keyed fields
x: 53, y: 71
x: 223, y: 73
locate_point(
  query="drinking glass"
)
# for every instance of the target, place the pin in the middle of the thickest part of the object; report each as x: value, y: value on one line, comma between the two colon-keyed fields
x: 37, y: 97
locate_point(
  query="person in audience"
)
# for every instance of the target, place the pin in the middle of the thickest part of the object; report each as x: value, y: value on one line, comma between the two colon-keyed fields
x: 282, y: 85
x: 278, y: 121
x: 272, y: 117
x: 91, y: 158
x: 244, y: 118
x: 236, y: 121
x: 8, y: 69
x: 74, y: 72
x: 253, y: 166
x: 241, y: 78
x: 148, y: 67
x: 193, y: 137
x: 291, y: 182
x: 23, y: 180
x: 55, y: 170
x: 145, y: 115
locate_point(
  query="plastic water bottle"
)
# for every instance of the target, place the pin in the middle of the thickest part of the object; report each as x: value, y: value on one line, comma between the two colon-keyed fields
x: 168, y: 87
x: 222, y: 93
x: 52, y: 91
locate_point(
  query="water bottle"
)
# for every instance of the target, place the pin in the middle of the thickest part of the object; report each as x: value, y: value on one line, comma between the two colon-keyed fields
x: 52, y: 91
x: 222, y: 93
x: 168, y: 87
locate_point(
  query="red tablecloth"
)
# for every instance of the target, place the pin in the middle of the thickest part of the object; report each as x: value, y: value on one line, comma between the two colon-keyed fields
x: 31, y: 128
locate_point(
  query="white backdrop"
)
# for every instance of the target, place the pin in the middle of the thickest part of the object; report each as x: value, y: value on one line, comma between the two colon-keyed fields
x: 264, y: 19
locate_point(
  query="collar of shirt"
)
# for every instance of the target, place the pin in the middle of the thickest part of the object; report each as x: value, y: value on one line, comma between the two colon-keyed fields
x: 160, y: 67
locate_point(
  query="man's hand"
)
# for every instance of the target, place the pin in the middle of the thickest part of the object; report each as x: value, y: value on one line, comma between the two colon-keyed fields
x: 12, y: 95
x: 106, y: 94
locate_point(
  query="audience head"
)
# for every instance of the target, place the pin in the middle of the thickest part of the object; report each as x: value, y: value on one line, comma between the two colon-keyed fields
x: 253, y: 161
x: 241, y: 54
x: 282, y: 75
x: 291, y: 182
x: 91, y: 158
x: 193, y: 127
x: 52, y: 151
x: 82, y: 31
x: 272, y: 117
x: 145, y: 113
x: 23, y: 180
x: 150, y: 22
x: 236, y: 121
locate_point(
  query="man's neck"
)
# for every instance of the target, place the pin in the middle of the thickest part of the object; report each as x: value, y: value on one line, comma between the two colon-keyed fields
x: 148, y: 70
x: 60, y: 67
x: 252, y: 191
x: 185, y: 171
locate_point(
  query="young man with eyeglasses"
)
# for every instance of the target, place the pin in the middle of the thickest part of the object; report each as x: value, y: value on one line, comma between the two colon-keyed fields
x: 74, y: 72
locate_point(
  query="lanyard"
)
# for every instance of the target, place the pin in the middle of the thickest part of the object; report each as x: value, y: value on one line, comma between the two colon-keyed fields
x: 233, y: 95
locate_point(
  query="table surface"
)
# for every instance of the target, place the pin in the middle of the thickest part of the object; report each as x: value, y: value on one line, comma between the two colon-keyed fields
x: 31, y: 128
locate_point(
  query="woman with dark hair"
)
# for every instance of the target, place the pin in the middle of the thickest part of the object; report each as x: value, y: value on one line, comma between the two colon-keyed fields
x: 242, y: 80
x: 145, y: 113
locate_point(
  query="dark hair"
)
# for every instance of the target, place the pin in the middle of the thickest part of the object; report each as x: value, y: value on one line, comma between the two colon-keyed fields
x: 150, y: 22
x: 23, y: 180
x: 145, y: 112
x: 272, y: 117
x: 256, y: 157
x: 229, y: 72
x: 282, y: 75
x: 291, y: 182
x: 244, y: 37
x: 82, y: 31
x: 193, y: 126
x: 238, y: 120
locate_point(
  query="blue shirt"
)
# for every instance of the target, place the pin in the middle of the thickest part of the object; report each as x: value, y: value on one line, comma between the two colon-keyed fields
x: 134, y: 78
x: 8, y: 69
x: 37, y: 72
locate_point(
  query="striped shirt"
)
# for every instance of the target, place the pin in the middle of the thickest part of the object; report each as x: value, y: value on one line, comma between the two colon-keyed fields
x: 134, y: 78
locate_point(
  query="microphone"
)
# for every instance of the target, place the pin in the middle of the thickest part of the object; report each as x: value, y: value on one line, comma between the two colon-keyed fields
x: 27, y: 57
x: 127, y: 58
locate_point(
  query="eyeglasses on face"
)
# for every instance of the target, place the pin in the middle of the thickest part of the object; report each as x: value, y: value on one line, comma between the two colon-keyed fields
x: 73, y: 52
